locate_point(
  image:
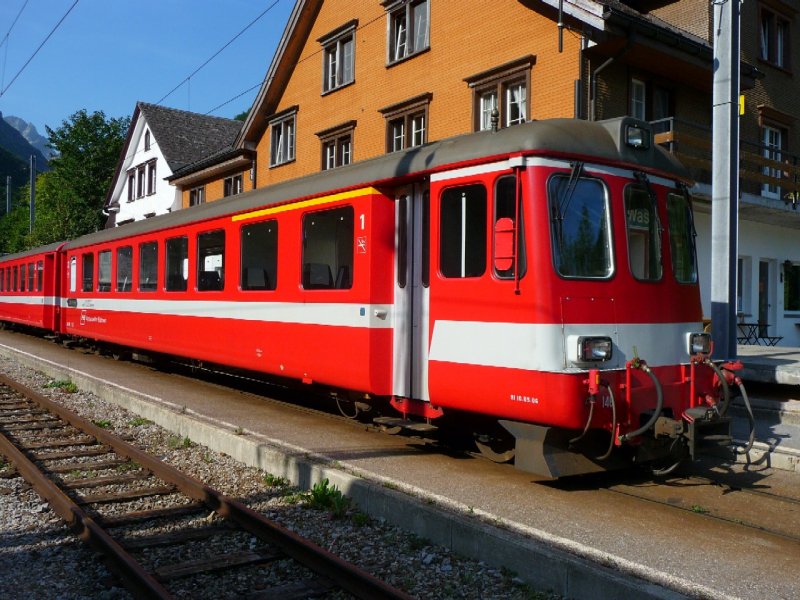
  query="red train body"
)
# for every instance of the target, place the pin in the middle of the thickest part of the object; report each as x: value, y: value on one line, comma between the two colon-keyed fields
x: 541, y: 277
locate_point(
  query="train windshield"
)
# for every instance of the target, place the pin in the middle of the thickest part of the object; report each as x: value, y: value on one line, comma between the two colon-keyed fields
x: 681, y: 238
x: 581, y: 227
x: 644, y: 234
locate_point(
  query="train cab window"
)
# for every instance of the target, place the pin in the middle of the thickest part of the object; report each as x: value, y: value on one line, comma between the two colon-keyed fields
x: 505, y: 230
x: 211, y: 261
x: 259, y: 258
x: 462, y: 231
x: 104, y: 271
x: 644, y: 234
x: 39, y: 276
x: 580, y: 224
x: 87, y: 272
x: 177, y: 267
x: 328, y: 238
x: 124, y: 269
x: 31, y: 277
x: 681, y: 238
x: 148, y: 267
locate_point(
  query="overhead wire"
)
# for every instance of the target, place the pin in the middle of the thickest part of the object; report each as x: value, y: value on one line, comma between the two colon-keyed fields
x: 35, y: 52
x: 5, y: 40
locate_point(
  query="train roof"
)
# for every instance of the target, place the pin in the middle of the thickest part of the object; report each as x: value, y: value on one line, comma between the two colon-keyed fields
x: 599, y: 141
x: 32, y: 252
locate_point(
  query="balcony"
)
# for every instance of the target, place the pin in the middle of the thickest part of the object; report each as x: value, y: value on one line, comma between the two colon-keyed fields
x: 769, y: 179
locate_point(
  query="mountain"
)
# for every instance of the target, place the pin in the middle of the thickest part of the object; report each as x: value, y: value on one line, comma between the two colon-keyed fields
x: 14, y: 142
x: 29, y: 132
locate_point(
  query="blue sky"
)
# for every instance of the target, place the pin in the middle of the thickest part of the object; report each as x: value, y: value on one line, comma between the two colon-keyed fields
x: 107, y: 54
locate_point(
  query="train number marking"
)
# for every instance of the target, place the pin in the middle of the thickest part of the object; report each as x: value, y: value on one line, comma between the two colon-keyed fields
x: 524, y: 399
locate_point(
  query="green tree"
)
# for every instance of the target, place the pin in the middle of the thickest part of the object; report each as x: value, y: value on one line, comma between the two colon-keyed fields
x: 70, y: 197
x: 15, y: 225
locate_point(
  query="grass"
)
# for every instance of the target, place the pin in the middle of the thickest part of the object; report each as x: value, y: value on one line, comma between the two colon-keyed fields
x: 701, y: 510
x: 324, y: 496
x: 102, y: 423
x: 139, y: 421
x: 175, y: 441
x: 63, y: 385
x: 275, y: 480
x: 360, y: 519
x: 128, y: 466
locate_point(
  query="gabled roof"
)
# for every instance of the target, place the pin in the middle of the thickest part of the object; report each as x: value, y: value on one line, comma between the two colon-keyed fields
x: 186, y: 137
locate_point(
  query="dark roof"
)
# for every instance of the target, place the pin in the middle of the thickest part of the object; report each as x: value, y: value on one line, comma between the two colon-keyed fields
x: 186, y: 137
x: 591, y: 141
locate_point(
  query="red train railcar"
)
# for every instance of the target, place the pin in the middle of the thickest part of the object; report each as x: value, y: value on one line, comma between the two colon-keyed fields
x: 29, y: 288
x: 538, y: 282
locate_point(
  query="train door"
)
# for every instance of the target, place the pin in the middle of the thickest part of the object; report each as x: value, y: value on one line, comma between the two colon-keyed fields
x: 412, y: 298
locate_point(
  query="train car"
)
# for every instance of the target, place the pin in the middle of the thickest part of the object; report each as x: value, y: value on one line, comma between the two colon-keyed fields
x: 29, y: 293
x: 539, y: 283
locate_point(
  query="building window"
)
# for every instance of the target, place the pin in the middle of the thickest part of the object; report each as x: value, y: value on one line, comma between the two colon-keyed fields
x: 140, y: 175
x: 151, y: 178
x: 328, y: 240
x: 774, y: 38
x: 638, y: 108
x: 131, y: 186
x: 409, y: 28
x: 501, y: 91
x: 147, y: 140
x: 772, y: 140
x: 232, y: 185
x: 337, y: 145
x: 283, y: 136
x: 407, y: 123
x: 197, y: 196
x: 259, y: 256
x: 338, y: 57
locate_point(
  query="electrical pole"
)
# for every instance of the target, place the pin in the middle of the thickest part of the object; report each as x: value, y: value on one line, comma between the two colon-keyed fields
x: 8, y: 194
x: 33, y: 190
x: 725, y: 177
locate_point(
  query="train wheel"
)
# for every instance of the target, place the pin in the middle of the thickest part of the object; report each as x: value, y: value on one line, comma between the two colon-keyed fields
x: 496, y: 449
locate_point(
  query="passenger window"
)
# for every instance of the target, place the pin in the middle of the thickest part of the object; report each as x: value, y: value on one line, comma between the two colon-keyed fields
x: 462, y: 232
x: 505, y: 230
x: 148, y: 267
x: 73, y: 274
x: 23, y: 271
x: 177, y: 268
x: 15, y: 278
x: 682, y: 238
x: 580, y: 227
x: 87, y: 272
x: 39, y: 276
x: 124, y: 269
x: 104, y: 271
x: 259, y: 258
x: 31, y: 277
x: 328, y: 238
x: 211, y: 261
x: 2, y: 280
x: 644, y: 234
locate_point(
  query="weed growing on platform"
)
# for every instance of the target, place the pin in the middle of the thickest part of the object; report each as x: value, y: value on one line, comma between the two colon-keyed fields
x: 102, y: 423
x: 174, y: 442
x: 63, y: 385
x: 275, y: 480
x: 324, y: 496
x: 139, y: 421
x: 701, y: 510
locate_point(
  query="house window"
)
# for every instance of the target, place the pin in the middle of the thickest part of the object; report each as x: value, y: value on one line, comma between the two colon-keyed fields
x: 147, y: 140
x: 407, y: 123
x: 638, y: 109
x: 337, y: 145
x: 151, y: 177
x: 772, y: 139
x: 197, y: 196
x: 232, y: 185
x: 338, y: 57
x: 503, y: 91
x: 774, y: 38
x: 283, y: 137
x: 409, y: 28
x: 140, y: 173
x: 131, y: 186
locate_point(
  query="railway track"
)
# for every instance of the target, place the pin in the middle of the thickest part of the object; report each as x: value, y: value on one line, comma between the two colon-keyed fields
x: 94, y: 480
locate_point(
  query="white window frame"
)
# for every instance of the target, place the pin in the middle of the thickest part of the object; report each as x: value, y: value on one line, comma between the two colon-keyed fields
x: 772, y: 140
x: 338, y: 57
x: 638, y: 99
x: 282, y: 138
x: 197, y: 196
x: 232, y: 185
x: 407, y: 28
x: 407, y: 123
x: 151, y: 178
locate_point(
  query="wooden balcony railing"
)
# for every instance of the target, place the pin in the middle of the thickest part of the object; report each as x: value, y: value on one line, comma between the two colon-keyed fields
x: 763, y: 171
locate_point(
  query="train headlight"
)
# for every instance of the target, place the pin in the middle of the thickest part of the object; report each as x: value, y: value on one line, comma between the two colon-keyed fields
x: 594, y: 349
x: 699, y: 343
x: 637, y: 137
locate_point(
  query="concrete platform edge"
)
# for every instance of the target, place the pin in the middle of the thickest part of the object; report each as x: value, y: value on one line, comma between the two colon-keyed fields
x: 543, y: 560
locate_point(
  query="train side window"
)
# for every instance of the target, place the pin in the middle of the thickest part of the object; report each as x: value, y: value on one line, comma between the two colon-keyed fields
x: 328, y: 238
x: 580, y: 227
x: 87, y: 272
x: 211, y: 261
x: 39, y: 276
x: 23, y: 275
x: 177, y: 267
x: 73, y: 274
x: 259, y: 256
x: 644, y: 235
x: 2, y: 279
x: 505, y: 215
x: 148, y: 267
x: 124, y: 269
x: 682, y: 238
x: 104, y: 271
x: 462, y: 235
x: 31, y: 277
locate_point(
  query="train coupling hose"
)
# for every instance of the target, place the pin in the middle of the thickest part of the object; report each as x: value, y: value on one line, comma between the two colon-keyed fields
x: 641, y: 365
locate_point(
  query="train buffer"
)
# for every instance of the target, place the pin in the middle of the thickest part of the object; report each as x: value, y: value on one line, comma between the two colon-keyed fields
x: 407, y: 424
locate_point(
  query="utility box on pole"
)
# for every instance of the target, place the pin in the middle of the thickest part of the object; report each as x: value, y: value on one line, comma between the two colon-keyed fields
x: 725, y: 177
